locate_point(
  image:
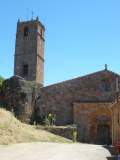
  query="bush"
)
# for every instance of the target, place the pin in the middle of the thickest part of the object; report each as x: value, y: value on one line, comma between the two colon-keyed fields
x: 1, y: 81
x: 50, y: 119
x: 46, y: 121
x: 74, y: 133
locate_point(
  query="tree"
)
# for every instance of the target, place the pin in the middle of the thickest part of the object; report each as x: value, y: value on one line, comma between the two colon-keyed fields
x: 1, y: 81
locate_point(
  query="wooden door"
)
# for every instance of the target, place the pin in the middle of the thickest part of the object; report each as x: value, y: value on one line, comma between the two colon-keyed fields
x: 103, y: 134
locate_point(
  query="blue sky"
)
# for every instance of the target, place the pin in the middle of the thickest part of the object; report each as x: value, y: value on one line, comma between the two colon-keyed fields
x: 81, y: 35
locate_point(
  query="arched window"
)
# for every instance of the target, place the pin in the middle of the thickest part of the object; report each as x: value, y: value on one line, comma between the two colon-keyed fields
x: 26, y: 31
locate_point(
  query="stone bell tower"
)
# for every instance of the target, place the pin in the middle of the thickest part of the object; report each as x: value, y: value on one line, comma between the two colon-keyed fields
x: 29, y: 51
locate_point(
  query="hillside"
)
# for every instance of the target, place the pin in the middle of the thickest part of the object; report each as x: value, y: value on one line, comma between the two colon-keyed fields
x: 13, y: 131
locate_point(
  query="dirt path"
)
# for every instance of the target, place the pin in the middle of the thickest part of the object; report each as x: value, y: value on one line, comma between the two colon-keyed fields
x: 53, y: 151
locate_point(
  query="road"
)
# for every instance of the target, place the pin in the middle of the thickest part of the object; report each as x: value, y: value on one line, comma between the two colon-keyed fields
x: 53, y: 151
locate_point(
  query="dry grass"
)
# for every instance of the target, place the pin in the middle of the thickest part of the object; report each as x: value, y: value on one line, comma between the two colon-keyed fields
x: 13, y: 131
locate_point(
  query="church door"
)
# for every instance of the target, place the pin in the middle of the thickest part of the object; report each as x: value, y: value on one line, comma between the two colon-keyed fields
x: 103, y: 134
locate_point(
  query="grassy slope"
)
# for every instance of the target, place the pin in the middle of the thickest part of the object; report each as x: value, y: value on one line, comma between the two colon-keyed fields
x: 13, y: 131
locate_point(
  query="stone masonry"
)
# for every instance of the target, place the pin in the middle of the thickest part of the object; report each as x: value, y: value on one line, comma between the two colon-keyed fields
x: 59, y: 98
x: 18, y: 96
x: 29, y: 51
x: 88, y: 117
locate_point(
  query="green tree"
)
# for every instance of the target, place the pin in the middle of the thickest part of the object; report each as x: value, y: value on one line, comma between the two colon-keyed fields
x: 1, y: 81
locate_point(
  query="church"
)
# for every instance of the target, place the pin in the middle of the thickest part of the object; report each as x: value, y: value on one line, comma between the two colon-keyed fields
x: 91, y: 102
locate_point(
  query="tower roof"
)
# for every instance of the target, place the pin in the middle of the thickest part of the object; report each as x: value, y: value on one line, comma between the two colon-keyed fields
x: 32, y: 21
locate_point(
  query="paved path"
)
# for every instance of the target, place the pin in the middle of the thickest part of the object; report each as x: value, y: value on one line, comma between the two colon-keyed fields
x: 53, y: 151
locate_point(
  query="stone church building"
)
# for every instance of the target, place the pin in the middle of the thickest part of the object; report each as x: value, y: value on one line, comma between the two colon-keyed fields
x: 91, y: 101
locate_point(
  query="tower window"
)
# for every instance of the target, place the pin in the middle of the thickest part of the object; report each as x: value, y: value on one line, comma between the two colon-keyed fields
x: 25, y: 69
x: 26, y: 31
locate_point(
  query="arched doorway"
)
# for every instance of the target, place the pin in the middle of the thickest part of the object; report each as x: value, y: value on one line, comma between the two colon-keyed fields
x: 103, y: 134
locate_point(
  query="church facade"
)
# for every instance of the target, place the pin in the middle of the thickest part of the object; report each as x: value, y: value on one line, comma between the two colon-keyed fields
x: 91, y: 102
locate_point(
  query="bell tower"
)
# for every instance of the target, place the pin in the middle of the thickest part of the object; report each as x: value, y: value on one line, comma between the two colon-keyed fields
x: 29, y: 51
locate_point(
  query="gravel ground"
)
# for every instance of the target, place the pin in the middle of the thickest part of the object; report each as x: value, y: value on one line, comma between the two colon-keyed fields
x: 53, y: 151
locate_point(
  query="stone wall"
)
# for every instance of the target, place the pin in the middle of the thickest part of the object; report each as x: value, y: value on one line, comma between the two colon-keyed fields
x: 88, y: 117
x: 59, y: 98
x: 64, y: 131
x: 116, y: 122
x: 19, y: 96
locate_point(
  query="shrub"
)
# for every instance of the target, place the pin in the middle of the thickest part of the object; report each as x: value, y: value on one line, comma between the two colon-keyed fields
x: 50, y: 119
x: 46, y: 121
x: 74, y: 133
